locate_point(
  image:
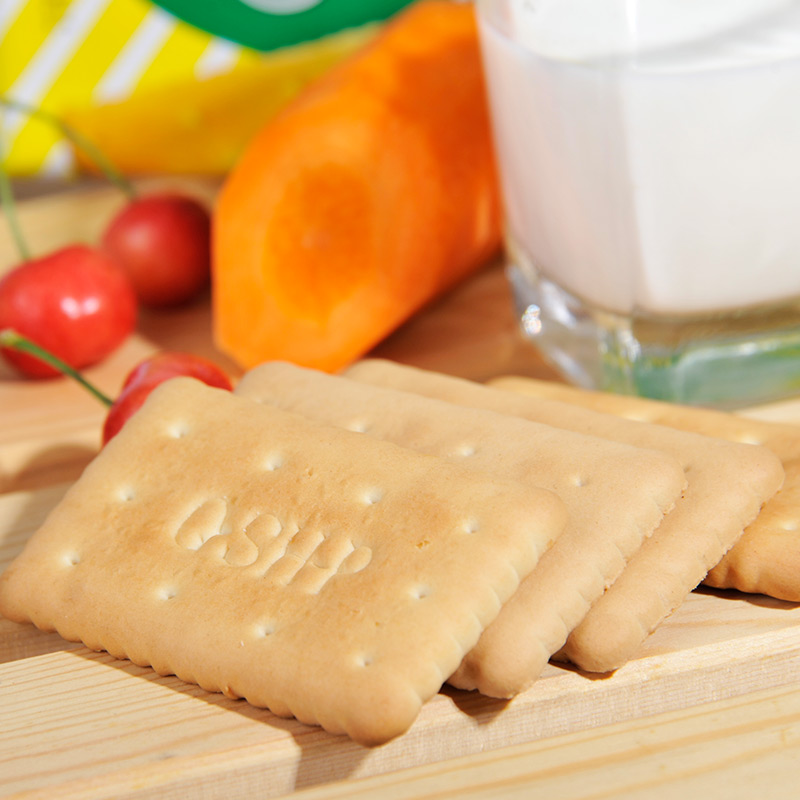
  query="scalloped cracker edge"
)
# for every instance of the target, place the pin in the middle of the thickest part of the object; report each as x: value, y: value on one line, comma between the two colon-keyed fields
x: 615, y: 495
x: 313, y: 571
x: 766, y: 560
x: 728, y: 484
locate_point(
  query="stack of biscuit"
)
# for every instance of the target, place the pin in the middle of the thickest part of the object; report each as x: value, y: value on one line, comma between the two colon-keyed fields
x: 335, y: 548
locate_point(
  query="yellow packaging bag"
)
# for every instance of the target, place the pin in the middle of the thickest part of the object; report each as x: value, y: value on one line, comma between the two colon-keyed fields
x: 178, y: 86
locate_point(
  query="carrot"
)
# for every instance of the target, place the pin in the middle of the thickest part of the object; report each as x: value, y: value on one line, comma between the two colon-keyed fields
x: 371, y: 194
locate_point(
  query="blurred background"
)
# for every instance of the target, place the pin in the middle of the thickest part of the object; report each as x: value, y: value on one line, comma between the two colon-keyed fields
x: 175, y: 87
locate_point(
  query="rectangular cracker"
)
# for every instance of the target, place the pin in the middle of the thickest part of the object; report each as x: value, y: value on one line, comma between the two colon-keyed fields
x: 615, y: 496
x: 313, y: 571
x: 766, y: 560
x: 728, y: 484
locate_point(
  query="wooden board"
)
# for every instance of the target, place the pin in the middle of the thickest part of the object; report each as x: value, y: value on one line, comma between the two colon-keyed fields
x: 82, y: 724
x: 89, y: 725
x: 741, y: 748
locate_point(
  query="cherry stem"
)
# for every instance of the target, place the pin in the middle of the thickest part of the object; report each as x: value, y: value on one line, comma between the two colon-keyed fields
x: 10, y: 208
x: 79, y: 140
x: 16, y: 341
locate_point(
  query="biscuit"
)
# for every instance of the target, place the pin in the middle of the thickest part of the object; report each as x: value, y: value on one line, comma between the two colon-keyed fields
x: 766, y: 560
x: 313, y: 571
x: 728, y: 484
x: 615, y: 496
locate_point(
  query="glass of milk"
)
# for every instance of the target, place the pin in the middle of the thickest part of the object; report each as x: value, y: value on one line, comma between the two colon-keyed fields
x: 649, y: 152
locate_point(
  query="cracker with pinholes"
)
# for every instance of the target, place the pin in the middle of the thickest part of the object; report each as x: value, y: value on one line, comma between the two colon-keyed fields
x: 766, y: 559
x: 615, y: 496
x: 728, y: 484
x: 310, y: 570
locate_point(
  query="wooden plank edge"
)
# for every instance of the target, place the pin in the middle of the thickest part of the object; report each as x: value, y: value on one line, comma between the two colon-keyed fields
x: 452, y: 725
x: 743, y: 747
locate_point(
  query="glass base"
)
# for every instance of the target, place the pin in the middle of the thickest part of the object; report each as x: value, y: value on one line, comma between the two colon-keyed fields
x: 730, y: 361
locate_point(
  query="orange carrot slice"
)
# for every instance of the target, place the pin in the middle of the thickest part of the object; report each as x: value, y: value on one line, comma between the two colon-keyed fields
x: 372, y: 193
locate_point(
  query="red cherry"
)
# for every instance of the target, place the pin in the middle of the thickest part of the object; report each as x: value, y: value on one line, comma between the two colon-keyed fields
x: 162, y: 242
x: 151, y: 372
x: 122, y: 409
x: 75, y: 303
x: 163, y: 366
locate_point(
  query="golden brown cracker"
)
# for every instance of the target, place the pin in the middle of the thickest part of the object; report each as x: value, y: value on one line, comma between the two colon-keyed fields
x: 728, y: 484
x: 615, y: 495
x: 766, y: 559
x: 316, y: 572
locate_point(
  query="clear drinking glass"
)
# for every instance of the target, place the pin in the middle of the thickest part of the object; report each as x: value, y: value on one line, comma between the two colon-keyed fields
x: 649, y: 153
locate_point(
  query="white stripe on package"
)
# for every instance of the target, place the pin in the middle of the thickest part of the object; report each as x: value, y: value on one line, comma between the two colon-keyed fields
x: 9, y: 11
x: 220, y: 56
x: 47, y: 64
x: 59, y: 161
x: 135, y: 57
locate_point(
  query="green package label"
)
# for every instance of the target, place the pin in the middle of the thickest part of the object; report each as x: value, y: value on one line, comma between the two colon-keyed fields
x: 269, y: 24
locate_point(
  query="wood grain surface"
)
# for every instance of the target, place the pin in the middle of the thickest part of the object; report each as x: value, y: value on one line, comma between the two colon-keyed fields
x: 738, y: 749
x: 712, y: 698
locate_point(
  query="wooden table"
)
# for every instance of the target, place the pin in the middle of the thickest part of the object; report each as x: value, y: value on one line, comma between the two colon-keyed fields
x: 711, y: 703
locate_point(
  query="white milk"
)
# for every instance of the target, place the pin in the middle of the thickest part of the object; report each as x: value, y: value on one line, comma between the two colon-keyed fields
x: 650, y: 150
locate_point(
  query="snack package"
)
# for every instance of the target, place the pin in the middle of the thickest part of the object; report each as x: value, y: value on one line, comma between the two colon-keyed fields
x: 88, y: 60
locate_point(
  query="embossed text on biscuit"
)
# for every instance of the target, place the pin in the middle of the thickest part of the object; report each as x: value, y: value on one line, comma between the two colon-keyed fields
x: 282, y: 553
